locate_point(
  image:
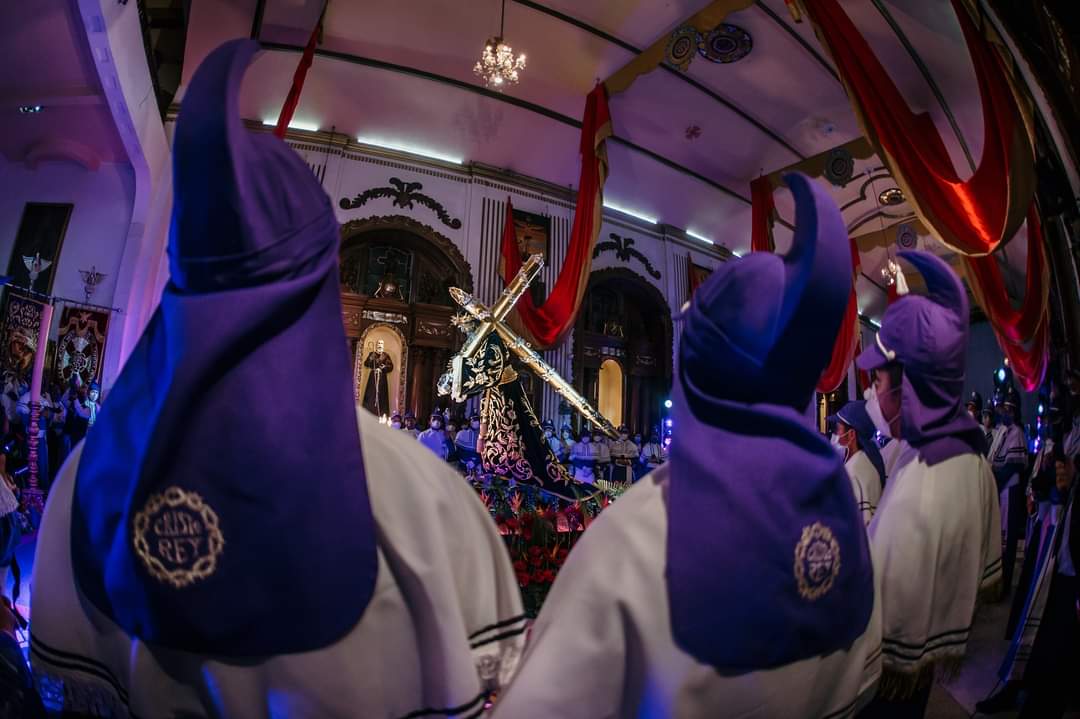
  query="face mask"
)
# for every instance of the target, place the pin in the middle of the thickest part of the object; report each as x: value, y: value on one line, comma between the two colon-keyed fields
x: 396, y: 425
x: 834, y: 440
x: 436, y: 425
x: 874, y: 410
x: 476, y: 425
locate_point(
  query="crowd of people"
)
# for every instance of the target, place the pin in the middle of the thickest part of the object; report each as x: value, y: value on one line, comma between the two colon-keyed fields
x: 589, y: 457
x: 64, y: 417
x: 738, y: 577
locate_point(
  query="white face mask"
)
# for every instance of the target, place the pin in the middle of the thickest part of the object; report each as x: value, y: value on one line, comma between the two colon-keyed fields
x: 396, y: 425
x: 874, y: 410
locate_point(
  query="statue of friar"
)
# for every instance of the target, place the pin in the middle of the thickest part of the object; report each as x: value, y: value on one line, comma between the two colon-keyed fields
x: 376, y: 391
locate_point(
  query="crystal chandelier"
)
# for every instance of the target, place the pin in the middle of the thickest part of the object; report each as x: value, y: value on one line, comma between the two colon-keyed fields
x: 497, y: 65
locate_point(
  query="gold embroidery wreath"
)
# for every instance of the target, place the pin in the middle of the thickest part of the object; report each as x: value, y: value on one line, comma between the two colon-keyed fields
x: 204, y: 566
x: 816, y: 532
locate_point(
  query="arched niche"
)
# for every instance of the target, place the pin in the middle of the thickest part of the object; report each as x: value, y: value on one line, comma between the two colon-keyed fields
x: 625, y: 318
x: 420, y: 264
x: 426, y: 262
x: 398, y: 349
x: 610, y: 391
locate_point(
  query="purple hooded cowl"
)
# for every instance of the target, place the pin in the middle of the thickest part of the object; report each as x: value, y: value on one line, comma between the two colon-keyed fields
x: 767, y: 555
x: 928, y: 336
x: 220, y: 502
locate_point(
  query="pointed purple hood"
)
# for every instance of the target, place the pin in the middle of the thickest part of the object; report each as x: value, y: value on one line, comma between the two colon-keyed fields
x: 928, y: 336
x: 767, y: 556
x: 220, y: 497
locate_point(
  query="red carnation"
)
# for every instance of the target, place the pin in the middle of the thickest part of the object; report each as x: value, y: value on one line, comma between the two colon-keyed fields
x: 519, y: 566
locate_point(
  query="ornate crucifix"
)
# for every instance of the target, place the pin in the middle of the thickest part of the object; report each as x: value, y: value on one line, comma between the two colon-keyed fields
x: 491, y: 320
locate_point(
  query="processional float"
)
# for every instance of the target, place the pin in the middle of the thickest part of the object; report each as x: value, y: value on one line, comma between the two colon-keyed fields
x: 511, y: 442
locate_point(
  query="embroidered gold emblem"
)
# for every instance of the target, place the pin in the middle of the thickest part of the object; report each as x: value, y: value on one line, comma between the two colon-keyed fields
x: 177, y: 537
x: 817, y: 561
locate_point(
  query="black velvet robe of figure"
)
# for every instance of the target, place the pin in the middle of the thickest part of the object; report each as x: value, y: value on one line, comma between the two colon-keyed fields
x: 380, y: 361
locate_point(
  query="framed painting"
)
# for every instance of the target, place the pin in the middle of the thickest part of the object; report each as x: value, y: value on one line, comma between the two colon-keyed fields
x: 37, y: 245
x: 533, y: 233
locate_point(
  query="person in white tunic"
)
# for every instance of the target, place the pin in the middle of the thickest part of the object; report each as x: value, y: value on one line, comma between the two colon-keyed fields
x: 1009, y: 462
x: 199, y: 560
x: 936, y: 535
x: 735, y: 580
x: 864, y: 464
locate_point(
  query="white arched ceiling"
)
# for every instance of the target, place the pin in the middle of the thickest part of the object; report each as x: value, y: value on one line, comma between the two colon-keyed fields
x: 402, y: 72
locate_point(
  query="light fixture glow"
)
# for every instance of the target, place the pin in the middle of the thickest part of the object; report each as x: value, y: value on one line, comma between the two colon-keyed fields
x: 736, y: 253
x: 305, y: 126
x: 696, y: 236
x: 410, y: 149
x: 667, y: 403
x: 1001, y: 374
x: 631, y: 213
x: 30, y: 109
x: 497, y: 64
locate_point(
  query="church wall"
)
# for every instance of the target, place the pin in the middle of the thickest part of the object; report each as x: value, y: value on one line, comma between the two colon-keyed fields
x: 97, y: 229
x: 476, y: 197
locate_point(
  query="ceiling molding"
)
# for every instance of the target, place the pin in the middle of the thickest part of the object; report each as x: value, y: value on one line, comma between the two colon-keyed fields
x: 925, y: 72
x: 798, y: 38
x: 61, y: 150
x: 56, y: 97
x: 509, y: 99
x: 697, y: 85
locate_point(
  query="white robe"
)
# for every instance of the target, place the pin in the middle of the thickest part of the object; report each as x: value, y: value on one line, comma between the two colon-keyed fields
x: 865, y: 483
x: 936, y: 541
x: 895, y: 455
x: 444, y: 625
x: 602, y: 645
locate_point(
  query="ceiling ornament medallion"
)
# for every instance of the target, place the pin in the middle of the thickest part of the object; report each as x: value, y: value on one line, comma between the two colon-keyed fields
x: 681, y: 46
x: 498, y: 66
x: 839, y: 166
x: 725, y: 44
x: 404, y: 195
x: 906, y: 238
x: 891, y: 197
x: 623, y: 247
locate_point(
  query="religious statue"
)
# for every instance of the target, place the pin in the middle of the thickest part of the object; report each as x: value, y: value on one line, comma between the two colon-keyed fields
x: 376, y: 391
x: 511, y: 443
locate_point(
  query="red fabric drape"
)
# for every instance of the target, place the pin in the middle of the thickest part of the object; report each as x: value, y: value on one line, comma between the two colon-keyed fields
x: 847, y: 340
x: 293, y: 98
x: 547, y: 325
x: 972, y: 216
x: 762, y: 213
x: 1021, y: 332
